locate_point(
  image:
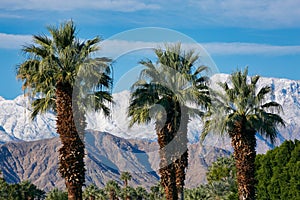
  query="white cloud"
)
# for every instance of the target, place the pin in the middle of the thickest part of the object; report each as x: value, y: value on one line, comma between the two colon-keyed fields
x: 10, y: 16
x: 235, y: 13
x: 120, y: 47
x: 255, y: 13
x: 116, y: 5
x: 250, y: 49
x: 10, y: 41
x: 117, y: 47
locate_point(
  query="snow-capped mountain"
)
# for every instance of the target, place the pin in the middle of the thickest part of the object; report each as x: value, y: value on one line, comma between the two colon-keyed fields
x: 15, y: 122
x: 5, y: 137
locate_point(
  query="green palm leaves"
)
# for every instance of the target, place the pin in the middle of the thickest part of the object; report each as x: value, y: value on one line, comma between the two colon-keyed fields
x: 173, y: 78
x: 63, y: 58
x: 240, y: 100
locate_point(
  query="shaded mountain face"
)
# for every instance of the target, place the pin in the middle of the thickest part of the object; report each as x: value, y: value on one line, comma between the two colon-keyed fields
x: 15, y: 123
x: 106, y: 157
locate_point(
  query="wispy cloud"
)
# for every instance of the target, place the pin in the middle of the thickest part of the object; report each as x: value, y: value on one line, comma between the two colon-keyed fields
x: 10, y: 16
x: 120, y: 47
x: 117, y: 47
x: 250, y: 49
x: 232, y: 13
x: 255, y: 13
x: 10, y: 41
x: 113, y: 5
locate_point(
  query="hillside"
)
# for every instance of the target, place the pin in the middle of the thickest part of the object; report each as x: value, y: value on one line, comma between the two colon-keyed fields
x: 106, y: 157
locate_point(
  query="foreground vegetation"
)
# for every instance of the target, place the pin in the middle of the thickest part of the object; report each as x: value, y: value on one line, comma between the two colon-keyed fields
x: 278, y: 177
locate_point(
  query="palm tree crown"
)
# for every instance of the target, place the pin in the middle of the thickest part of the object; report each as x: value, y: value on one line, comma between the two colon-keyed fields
x: 126, y: 176
x: 63, y: 59
x: 242, y: 103
x: 174, y: 78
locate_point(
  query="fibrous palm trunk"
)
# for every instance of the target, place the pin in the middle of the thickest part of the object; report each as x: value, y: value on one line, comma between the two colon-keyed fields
x: 244, y: 142
x: 166, y: 169
x: 92, y: 197
x: 127, y: 196
x: 112, y: 194
x: 181, y: 150
x: 71, y: 163
x: 180, y: 166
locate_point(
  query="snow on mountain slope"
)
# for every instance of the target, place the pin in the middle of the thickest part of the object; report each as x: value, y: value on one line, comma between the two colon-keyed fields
x: 15, y: 117
x: 5, y: 137
x: 15, y: 120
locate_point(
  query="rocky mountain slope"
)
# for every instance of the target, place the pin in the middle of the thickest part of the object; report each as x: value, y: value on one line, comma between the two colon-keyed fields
x: 106, y: 157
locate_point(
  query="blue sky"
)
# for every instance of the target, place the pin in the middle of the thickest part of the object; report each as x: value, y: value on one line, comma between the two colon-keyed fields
x: 263, y: 35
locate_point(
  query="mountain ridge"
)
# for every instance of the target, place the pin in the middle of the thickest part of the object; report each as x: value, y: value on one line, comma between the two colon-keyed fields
x: 16, y: 124
x: 106, y: 157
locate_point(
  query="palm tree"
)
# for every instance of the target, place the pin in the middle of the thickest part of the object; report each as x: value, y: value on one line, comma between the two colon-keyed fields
x: 141, y: 193
x: 4, y: 187
x: 112, y: 188
x: 222, y: 170
x: 30, y: 191
x: 163, y: 93
x: 241, y: 111
x: 128, y: 193
x: 218, y: 190
x: 157, y: 192
x: 57, y: 194
x: 101, y: 195
x: 126, y: 176
x: 15, y: 192
x: 91, y: 192
x: 55, y: 74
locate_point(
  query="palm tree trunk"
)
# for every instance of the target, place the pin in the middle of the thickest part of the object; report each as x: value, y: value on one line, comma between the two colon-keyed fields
x: 181, y: 154
x: 92, y: 197
x: 127, y: 196
x: 112, y: 195
x: 166, y: 170
x: 180, y: 166
x: 71, y: 163
x: 244, y: 143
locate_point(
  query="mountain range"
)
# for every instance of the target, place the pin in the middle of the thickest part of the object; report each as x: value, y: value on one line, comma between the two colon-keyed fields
x: 106, y: 157
x: 16, y: 124
x: 28, y: 146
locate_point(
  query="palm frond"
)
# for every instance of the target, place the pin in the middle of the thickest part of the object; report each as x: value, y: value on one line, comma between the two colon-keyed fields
x: 42, y: 105
x: 62, y: 58
x: 240, y: 101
